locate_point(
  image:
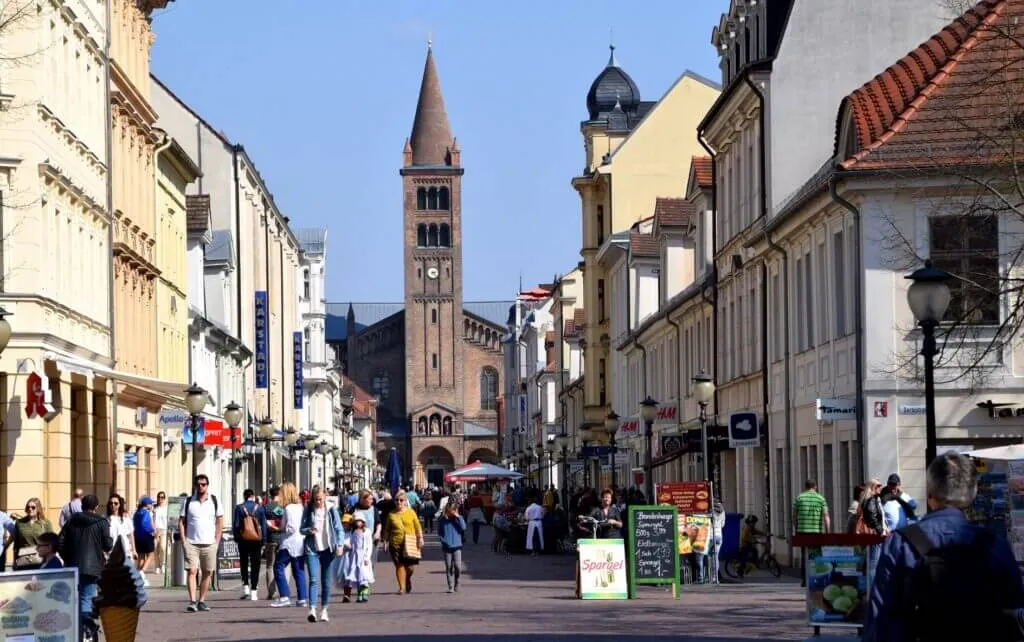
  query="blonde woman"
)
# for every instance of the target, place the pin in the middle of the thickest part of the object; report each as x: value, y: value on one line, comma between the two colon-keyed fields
x: 26, y: 536
x: 403, y: 535
x: 324, y: 542
x: 292, y: 550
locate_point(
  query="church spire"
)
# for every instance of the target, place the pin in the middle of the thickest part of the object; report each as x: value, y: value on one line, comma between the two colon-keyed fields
x: 431, y: 138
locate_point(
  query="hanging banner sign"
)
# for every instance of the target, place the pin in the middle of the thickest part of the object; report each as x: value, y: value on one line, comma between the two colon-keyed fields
x: 262, y: 340
x: 297, y: 372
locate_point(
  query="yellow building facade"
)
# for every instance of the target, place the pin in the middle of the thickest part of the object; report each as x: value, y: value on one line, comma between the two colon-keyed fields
x: 635, y: 152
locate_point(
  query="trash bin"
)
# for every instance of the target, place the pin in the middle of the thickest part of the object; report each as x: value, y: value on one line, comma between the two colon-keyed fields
x: 178, y: 565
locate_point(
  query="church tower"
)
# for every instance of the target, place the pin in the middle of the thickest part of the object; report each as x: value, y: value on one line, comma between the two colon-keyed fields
x: 432, y: 188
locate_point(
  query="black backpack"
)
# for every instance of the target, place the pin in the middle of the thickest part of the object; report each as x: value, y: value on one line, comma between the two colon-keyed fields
x: 952, y: 593
x: 184, y: 509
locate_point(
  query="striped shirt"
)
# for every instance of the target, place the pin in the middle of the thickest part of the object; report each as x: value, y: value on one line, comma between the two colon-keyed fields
x: 810, y: 508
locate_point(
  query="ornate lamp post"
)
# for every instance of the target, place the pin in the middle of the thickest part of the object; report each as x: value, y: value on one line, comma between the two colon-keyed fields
x: 265, y: 435
x: 5, y: 328
x: 649, y: 412
x: 310, y: 442
x: 704, y: 390
x: 291, y: 440
x: 233, y: 417
x: 196, y: 399
x: 586, y: 436
x: 611, y: 426
x: 562, y: 441
x: 324, y: 448
x: 928, y: 297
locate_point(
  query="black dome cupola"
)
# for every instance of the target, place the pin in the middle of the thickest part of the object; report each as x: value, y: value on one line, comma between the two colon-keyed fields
x: 612, y: 85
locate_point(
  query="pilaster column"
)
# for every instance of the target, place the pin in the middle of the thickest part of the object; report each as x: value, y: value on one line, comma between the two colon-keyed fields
x: 84, y: 435
x: 58, y: 450
x: 101, y: 431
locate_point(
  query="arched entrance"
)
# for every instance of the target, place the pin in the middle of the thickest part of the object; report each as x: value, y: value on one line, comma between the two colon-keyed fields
x: 431, y: 465
x: 485, y: 455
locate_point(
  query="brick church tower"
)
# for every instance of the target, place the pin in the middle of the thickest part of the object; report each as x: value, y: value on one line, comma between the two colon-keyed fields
x: 432, y: 188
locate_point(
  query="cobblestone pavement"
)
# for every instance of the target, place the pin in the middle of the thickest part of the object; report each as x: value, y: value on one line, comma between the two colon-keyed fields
x: 526, y: 599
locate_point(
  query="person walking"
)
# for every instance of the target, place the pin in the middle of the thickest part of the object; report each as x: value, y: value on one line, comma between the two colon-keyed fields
x: 899, y: 507
x: 945, y: 578
x: 872, y: 520
x: 160, y: 524
x: 200, y: 529
x: 535, y: 524
x: 357, y: 560
x: 452, y: 530
x: 403, y: 536
x: 144, y: 535
x: 69, y: 509
x: 274, y: 512
x: 810, y: 515
x: 249, y: 528
x: 366, y: 510
x: 292, y: 551
x: 324, y: 543
x: 26, y: 536
x: 84, y: 542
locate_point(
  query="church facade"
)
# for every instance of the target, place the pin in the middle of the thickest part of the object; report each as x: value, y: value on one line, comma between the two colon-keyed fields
x: 433, y: 362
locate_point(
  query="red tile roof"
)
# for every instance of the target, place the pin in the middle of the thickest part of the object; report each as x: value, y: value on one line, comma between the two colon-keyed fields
x: 644, y: 245
x: 675, y: 212
x: 939, y: 103
x: 574, y: 326
x: 702, y: 170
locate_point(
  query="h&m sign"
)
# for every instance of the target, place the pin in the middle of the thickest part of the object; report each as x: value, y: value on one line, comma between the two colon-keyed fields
x: 262, y: 339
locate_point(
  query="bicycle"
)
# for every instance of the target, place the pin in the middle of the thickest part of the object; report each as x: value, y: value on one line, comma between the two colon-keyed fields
x: 736, y: 568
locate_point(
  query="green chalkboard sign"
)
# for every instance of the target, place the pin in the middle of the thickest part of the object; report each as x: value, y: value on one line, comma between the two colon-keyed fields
x: 653, y: 548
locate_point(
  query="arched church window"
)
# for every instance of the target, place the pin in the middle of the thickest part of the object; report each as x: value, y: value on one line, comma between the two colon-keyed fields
x: 488, y: 389
x: 381, y: 386
x: 446, y: 236
x: 442, y: 199
x: 421, y: 198
x: 446, y: 427
x: 432, y: 198
x: 421, y: 235
x: 432, y: 235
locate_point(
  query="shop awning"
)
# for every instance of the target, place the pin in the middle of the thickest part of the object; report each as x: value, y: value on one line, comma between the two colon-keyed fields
x: 170, y: 389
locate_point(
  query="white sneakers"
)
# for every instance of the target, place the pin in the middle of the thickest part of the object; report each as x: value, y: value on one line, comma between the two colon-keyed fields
x: 245, y: 592
x: 254, y: 595
x: 323, y: 615
x: 312, y: 615
x: 281, y: 601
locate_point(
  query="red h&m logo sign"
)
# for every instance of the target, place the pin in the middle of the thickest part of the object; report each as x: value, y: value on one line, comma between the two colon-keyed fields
x: 39, y: 397
x: 667, y: 414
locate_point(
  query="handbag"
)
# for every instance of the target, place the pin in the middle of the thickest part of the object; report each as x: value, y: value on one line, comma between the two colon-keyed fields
x: 410, y: 549
x: 27, y: 556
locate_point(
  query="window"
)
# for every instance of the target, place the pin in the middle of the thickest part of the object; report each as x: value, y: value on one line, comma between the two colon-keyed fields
x: 600, y: 225
x: 808, y: 301
x: 968, y: 248
x: 421, y: 198
x: 443, y: 199
x: 306, y: 344
x: 488, y: 389
x: 432, y: 198
x: 600, y: 300
x: 839, y: 284
x: 433, y: 315
x: 827, y: 487
x: 433, y: 361
x: 778, y: 315
x: 822, y: 297
x: 432, y: 235
x: 305, y: 283
x: 381, y: 386
x: 421, y: 235
x: 445, y: 236
x: 601, y: 383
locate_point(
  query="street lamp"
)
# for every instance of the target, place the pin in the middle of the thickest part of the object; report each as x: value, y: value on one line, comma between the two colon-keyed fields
x: 611, y: 426
x: 704, y: 390
x: 649, y: 412
x: 928, y: 297
x: 310, y: 443
x: 195, y: 400
x: 563, y: 445
x: 5, y: 328
x: 233, y: 415
x: 586, y: 435
x: 265, y: 435
x: 324, y: 448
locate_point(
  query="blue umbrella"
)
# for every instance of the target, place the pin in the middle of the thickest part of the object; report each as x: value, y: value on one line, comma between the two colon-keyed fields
x: 393, y: 474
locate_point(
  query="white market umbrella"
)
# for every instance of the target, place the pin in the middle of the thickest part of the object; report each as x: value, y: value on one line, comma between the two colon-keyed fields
x: 479, y: 471
x: 1003, y: 453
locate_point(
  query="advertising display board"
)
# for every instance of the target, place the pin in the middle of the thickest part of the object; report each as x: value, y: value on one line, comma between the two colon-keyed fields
x: 39, y: 605
x: 603, y: 569
x: 652, y: 549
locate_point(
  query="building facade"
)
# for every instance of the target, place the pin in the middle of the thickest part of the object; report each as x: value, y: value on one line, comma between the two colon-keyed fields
x: 635, y: 152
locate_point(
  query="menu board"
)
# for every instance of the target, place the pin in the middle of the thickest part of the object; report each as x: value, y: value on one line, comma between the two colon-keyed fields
x: 229, y: 563
x: 687, y: 497
x: 174, y: 507
x: 837, y: 585
x: 652, y: 551
x: 696, y: 534
x: 39, y: 605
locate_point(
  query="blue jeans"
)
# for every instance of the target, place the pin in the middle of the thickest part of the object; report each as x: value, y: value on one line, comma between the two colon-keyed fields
x: 713, y: 562
x: 87, y: 592
x: 320, y: 576
x: 298, y: 564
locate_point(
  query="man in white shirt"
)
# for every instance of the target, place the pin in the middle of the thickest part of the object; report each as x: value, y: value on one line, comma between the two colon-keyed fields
x: 202, y: 521
x: 535, y: 523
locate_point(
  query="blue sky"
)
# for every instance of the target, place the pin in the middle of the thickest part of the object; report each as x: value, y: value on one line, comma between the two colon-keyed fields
x: 323, y: 100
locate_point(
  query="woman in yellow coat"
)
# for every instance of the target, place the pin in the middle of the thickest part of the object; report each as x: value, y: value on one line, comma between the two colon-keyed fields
x: 403, y: 535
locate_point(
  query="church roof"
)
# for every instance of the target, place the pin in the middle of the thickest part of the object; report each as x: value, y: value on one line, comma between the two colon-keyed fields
x: 431, y: 138
x: 612, y: 90
x: 367, y: 314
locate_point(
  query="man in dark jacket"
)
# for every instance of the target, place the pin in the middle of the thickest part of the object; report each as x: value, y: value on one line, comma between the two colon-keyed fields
x: 84, y: 542
x: 249, y: 551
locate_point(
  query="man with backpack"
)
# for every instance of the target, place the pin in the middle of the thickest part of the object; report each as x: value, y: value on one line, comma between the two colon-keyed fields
x: 944, y: 578
x: 200, y: 528
x: 249, y: 528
